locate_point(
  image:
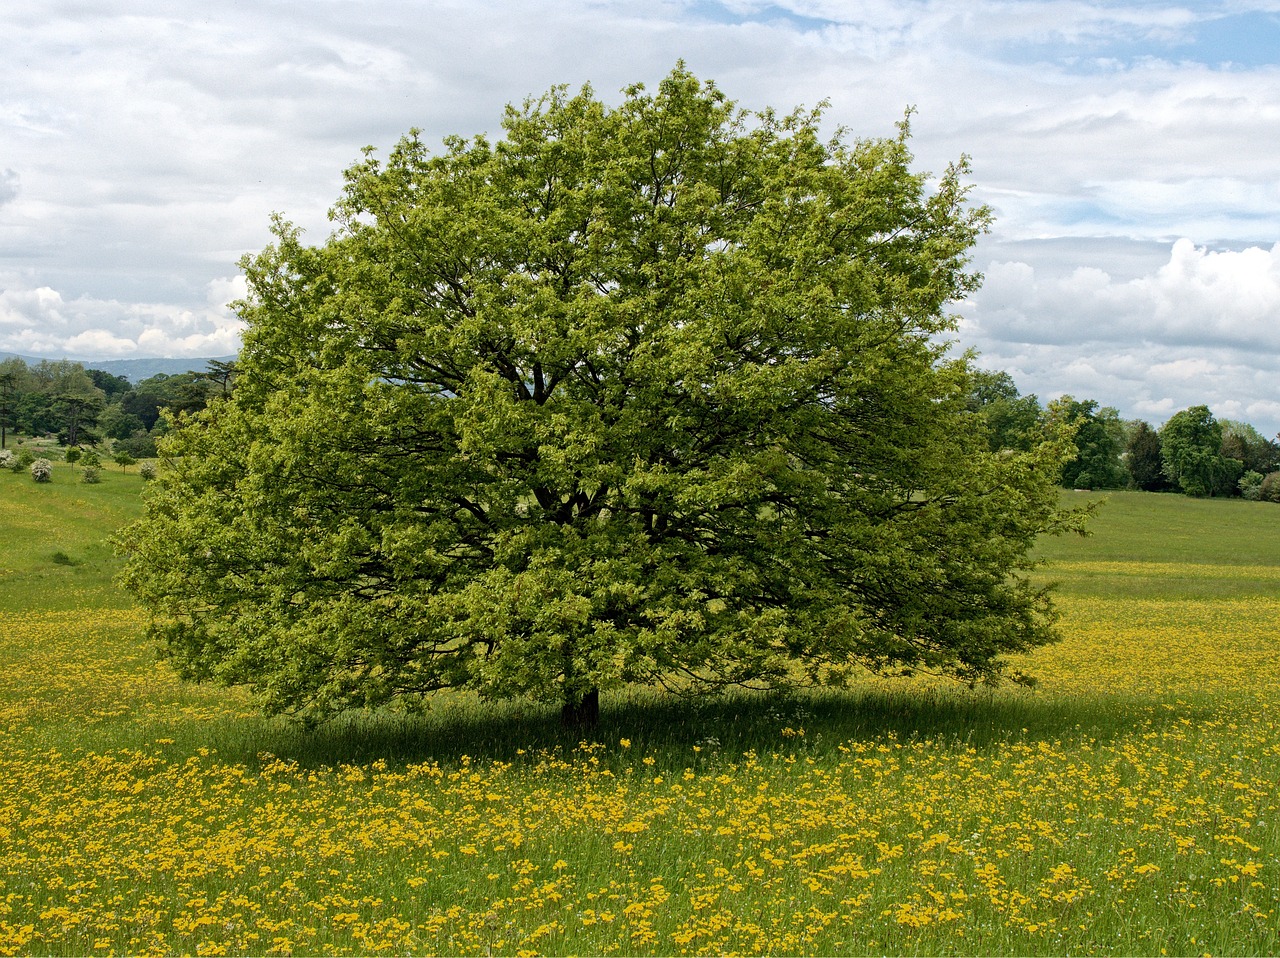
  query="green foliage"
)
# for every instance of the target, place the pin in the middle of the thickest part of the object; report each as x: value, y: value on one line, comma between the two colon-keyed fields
x: 72, y: 454
x: 117, y: 424
x: 139, y: 445
x: 80, y: 405
x: 1254, y: 451
x: 1190, y: 443
x: 90, y: 459
x: 123, y: 459
x: 23, y: 459
x: 1269, y: 489
x: 649, y: 394
x: 1144, y: 460
x: 1099, y: 438
x: 1250, y: 486
x: 111, y: 385
x: 91, y: 475
x: 184, y: 392
x: 1012, y: 420
x: 147, y: 470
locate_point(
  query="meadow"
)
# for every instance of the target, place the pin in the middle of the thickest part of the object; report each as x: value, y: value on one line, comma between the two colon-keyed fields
x: 1128, y: 804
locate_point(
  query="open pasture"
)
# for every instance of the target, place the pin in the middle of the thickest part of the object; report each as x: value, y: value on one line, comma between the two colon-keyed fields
x: 1129, y: 804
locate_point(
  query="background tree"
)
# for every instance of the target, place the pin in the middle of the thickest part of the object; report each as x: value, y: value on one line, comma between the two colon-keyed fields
x: 76, y: 402
x: 181, y: 393
x: 1012, y: 420
x: 1269, y: 488
x: 221, y: 376
x: 112, y: 386
x: 651, y: 394
x: 1143, y: 458
x: 1191, y: 445
x: 8, y: 386
x: 1099, y: 440
x: 115, y: 423
x: 1244, y: 443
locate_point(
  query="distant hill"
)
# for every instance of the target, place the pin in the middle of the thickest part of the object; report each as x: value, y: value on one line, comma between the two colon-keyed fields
x: 134, y: 370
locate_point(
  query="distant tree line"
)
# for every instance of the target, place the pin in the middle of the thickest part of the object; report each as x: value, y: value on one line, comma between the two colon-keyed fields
x: 1193, y: 453
x: 81, y: 406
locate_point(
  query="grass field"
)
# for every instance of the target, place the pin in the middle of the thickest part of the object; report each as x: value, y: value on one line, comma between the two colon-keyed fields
x: 1128, y: 805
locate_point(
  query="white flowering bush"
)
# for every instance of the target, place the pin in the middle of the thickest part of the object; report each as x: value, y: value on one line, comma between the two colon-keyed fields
x: 7, y: 458
x: 42, y: 470
x: 147, y: 470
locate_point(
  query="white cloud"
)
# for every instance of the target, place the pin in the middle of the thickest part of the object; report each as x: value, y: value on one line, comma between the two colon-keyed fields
x: 153, y: 143
x: 8, y: 186
x: 1204, y: 327
x: 41, y: 322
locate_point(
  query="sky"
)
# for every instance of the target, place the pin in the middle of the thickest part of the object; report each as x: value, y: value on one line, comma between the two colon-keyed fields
x: 1130, y: 152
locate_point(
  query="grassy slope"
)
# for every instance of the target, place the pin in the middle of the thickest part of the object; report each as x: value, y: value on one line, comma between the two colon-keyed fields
x: 40, y: 520
x: 1150, y: 527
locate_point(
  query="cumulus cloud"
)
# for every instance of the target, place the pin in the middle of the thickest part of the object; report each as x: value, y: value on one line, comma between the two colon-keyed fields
x: 41, y: 322
x: 1204, y: 327
x: 153, y: 148
x: 1199, y: 297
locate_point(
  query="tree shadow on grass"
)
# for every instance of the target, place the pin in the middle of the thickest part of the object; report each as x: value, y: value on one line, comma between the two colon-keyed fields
x: 680, y: 732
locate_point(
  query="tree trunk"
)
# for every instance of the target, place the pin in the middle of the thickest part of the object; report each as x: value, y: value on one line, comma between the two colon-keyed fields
x: 584, y: 713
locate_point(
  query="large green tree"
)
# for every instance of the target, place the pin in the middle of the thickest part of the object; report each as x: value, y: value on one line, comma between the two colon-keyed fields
x: 1143, y: 458
x: 1191, y: 444
x: 1099, y: 441
x: 1255, y: 452
x: 653, y: 393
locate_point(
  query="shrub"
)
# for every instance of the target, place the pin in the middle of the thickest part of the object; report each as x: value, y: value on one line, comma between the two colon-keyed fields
x: 23, y: 460
x: 147, y: 470
x: 1251, y: 485
x: 90, y: 459
x: 7, y: 459
x: 42, y: 470
x: 72, y: 454
x: 1269, y: 491
x: 91, y: 475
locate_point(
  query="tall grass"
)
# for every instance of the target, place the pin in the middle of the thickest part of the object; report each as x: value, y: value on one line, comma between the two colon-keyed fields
x: 1127, y: 805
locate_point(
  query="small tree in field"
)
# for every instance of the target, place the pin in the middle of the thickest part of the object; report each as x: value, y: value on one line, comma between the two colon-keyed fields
x: 647, y: 394
x: 123, y: 460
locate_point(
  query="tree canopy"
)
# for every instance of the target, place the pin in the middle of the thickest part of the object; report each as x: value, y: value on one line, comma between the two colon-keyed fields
x: 1099, y: 439
x: 1191, y: 445
x: 655, y: 393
